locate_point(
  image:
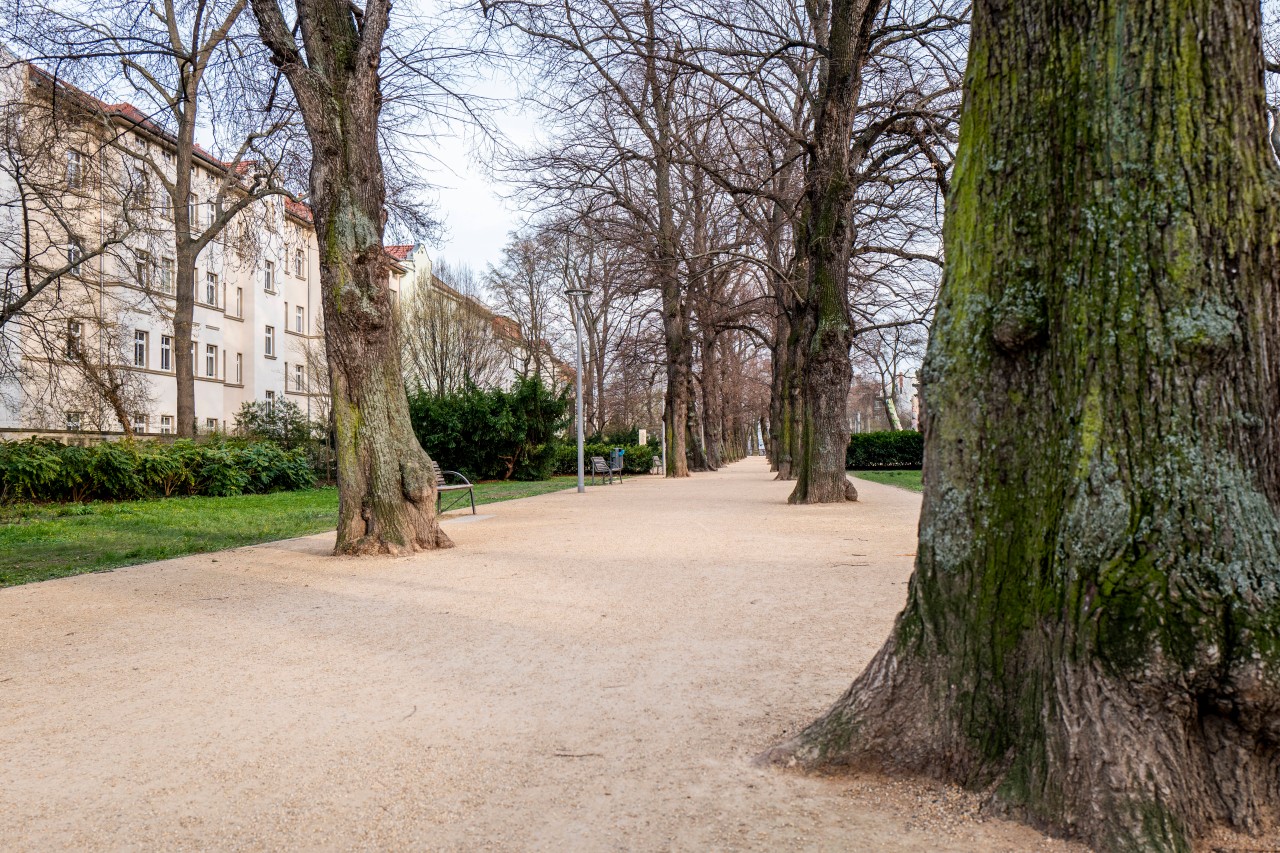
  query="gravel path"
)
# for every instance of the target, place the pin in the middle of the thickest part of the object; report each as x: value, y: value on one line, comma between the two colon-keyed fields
x: 582, y: 672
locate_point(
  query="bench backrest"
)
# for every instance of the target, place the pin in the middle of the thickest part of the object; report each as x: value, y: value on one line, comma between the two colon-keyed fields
x: 598, y: 464
x: 435, y: 466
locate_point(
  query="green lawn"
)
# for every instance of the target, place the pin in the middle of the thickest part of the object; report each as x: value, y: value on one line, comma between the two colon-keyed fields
x: 42, y: 541
x: 903, y: 479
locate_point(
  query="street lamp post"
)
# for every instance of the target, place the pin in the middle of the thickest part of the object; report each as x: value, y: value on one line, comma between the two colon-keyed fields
x: 573, y: 293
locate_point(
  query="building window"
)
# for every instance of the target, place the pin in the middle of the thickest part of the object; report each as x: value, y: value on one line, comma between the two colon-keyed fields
x: 269, y: 276
x: 193, y: 358
x: 74, y: 330
x: 75, y: 254
x: 298, y: 380
x: 74, y: 421
x: 142, y: 268
x: 193, y: 211
x: 299, y: 264
x: 211, y: 289
x: 210, y: 360
x: 271, y: 341
x: 140, y: 423
x: 139, y: 348
x: 75, y: 168
x: 166, y: 424
x: 213, y: 212
x: 239, y: 301
x: 299, y: 319
x: 166, y: 275
x: 239, y: 369
x: 166, y: 352
x: 271, y: 398
x: 210, y: 424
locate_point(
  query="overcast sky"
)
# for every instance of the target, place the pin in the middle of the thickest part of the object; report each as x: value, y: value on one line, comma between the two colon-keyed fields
x: 477, y: 219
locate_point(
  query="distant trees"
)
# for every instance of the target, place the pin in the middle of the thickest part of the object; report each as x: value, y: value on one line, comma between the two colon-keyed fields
x: 528, y: 287
x: 747, y: 183
x: 448, y: 334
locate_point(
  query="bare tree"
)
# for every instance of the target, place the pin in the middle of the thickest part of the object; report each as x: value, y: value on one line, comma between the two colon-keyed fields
x: 448, y: 334
x: 528, y: 286
x: 331, y: 58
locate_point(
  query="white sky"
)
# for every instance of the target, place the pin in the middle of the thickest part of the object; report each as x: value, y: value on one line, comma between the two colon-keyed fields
x: 476, y: 218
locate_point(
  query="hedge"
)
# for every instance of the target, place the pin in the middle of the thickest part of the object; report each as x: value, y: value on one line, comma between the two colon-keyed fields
x: 900, y: 449
x: 636, y: 458
x: 491, y: 434
x: 45, y: 470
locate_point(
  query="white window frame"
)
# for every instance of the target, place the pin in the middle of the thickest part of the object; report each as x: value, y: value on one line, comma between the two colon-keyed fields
x: 270, y: 342
x: 299, y: 380
x: 75, y: 168
x: 166, y: 276
x: 239, y: 368
x: 211, y: 361
x: 166, y: 424
x: 75, y: 334
x: 140, y: 348
x: 269, y: 276
x: 75, y: 256
x: 75, y: 421
x: 166, y: 352
x: 299, y: 319
x: 211, y: 288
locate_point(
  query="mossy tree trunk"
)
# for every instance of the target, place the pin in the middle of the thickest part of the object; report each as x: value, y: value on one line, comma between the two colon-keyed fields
x: 826, y: 236
x: 1093, y: 632
x: 386, y: 487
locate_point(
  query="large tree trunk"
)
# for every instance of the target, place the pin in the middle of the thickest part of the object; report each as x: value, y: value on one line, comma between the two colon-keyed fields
x: 1091, y: 630
x: 184, y: 275
x: 386, y: 487
x: 825, y: 236
x: 776, y: 438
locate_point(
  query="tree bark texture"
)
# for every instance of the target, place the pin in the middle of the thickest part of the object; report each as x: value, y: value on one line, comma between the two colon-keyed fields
x: 1091, y: 633
x: 826, y: 236
x: 386, y: 486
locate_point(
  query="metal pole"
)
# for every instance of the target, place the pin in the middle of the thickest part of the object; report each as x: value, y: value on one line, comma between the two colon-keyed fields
x: 577, y: 333
x: 664, y: 446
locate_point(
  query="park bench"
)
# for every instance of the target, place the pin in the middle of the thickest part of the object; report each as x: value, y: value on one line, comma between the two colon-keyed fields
x: 443, y: 485
x: 599, y: 466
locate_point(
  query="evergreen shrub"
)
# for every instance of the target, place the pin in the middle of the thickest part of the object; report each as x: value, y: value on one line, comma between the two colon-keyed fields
x: 491, y: 434
x: 888, y: 449
x: 44, y: 470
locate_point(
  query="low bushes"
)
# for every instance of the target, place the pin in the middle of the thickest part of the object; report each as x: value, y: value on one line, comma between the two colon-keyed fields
x: 901, y: 449
x: 636, y: 458
x: 44, y: 470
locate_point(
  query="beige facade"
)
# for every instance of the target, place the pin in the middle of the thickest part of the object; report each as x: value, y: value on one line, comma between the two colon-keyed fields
x: 257, y: 316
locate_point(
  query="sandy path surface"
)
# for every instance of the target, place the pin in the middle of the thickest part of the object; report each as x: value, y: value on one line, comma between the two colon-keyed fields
x: 582, y: 672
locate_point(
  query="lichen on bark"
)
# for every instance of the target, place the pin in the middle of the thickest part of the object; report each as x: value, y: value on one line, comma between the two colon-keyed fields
x: 1092, y: 633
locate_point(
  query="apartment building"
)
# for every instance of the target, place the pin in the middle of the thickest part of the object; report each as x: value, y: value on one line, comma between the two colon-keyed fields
x: 99, y: 340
